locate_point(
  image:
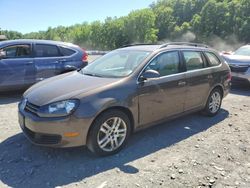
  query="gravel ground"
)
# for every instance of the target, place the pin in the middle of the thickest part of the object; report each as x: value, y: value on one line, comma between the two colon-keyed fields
x: 192, y: 151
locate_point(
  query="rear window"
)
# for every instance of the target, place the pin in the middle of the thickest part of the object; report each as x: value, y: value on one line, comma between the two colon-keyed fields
x: 193, y: 60
x: 44, y: 50
x: 213, y: 59
x: 66, y: 51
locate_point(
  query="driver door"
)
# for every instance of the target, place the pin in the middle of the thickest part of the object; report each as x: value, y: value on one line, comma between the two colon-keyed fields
x: 162, y: 97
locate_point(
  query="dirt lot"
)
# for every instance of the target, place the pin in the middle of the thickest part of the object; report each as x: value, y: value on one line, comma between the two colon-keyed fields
x: 193, y: 151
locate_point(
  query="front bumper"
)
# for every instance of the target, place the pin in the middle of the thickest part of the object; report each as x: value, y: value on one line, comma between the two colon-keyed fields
x: 51, y: 131
x: 238, y: 77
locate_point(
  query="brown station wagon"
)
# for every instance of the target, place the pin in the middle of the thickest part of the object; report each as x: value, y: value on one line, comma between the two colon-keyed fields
x: 123, y: 91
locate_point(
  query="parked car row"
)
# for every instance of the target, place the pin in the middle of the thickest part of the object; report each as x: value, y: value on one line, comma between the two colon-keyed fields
x: 25, y: 62
x: 126, y: 90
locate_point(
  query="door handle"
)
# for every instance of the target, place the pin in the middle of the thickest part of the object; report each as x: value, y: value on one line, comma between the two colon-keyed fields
x: 62, y: 60
x: 209, y: 76
x: 181, y: 83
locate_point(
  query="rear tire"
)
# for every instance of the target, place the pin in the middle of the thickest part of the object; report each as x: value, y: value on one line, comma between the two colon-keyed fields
x: 109, y: 133
x: 213, y: 104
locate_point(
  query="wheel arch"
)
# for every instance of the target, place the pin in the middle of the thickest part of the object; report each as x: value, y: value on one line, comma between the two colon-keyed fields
x: 220, y: 87
x: 217, y: 86
x: 125, y: 110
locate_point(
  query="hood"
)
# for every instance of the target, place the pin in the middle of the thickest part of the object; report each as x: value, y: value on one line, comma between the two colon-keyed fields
x: 237, y: 59
x: 64, y: 86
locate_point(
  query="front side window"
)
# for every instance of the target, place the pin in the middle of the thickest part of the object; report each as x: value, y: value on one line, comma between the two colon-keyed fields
x: 193, y: 60
x: 118, y: 63
x: 44, y: 50
x: 166, y: 63
x: 16, y: 51
x: 213, y: 60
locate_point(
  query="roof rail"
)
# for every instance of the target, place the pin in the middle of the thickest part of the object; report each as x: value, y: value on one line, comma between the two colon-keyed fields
x: 184, y: 43
x: 136, y: 44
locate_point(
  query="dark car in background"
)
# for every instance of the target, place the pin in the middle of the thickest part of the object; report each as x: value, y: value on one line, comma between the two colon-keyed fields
x: 121, y: 92
x: 25, y: 62
x: 239, y: 63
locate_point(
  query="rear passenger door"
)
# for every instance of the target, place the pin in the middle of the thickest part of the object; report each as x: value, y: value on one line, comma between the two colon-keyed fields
x: 198, y: 77
x: 47, y: 60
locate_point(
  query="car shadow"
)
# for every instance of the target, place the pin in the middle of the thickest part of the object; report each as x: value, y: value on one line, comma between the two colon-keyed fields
x: 241, y: 89
x: 10, y: 97
x: 25, y: 165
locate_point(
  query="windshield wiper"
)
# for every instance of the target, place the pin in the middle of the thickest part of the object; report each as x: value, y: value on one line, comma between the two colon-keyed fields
x: 91, y: 74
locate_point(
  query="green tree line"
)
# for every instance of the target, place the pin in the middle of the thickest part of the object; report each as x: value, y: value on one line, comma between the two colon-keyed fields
x: 163, y: 20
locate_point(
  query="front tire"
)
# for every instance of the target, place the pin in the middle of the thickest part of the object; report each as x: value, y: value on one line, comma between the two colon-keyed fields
x: 109, y: 133
x: 213, y: 104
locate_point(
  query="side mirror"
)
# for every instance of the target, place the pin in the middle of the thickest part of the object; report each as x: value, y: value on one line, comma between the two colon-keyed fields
x: 2, y: 54
x: 149, y: 74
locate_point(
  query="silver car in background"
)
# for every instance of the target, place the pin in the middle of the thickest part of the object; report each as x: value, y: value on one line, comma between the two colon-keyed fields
x: 239, y: 63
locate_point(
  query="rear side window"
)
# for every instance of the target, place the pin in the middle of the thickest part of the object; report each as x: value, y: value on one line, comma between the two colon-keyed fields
x: 213, y: 59
x: 16, y: 51
x: 193, y: 60
x: 44, y: 50
x: 166, y: 63
x: 66, y: 51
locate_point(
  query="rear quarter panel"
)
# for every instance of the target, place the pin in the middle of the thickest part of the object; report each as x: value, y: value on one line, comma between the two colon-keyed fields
x: 220, y: 79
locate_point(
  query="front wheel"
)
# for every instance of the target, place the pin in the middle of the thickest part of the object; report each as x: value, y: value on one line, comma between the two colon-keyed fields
x: 109, y: 133
x: 213, y: 103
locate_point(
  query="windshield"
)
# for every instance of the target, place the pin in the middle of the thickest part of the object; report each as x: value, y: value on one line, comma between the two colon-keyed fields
x: 243, y: 51
x: 118, y: 63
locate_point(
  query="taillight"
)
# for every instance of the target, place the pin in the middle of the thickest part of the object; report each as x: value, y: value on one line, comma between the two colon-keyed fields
x: 85, y: 57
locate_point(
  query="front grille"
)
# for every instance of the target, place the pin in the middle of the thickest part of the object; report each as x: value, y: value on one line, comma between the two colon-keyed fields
x: 31, y: 108
x: 238, y: 68
x: 43, y: 139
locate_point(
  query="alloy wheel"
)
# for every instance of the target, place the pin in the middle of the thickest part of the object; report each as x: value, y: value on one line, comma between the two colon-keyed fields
x: 214, y: 102
x: 112, y: 134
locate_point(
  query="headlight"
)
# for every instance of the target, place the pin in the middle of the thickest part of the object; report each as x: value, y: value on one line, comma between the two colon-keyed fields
x: 22, y: 104
x: 58, y: 109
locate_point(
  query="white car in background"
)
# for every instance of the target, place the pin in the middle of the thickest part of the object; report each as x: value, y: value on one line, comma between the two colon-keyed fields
x: 239, y: 63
